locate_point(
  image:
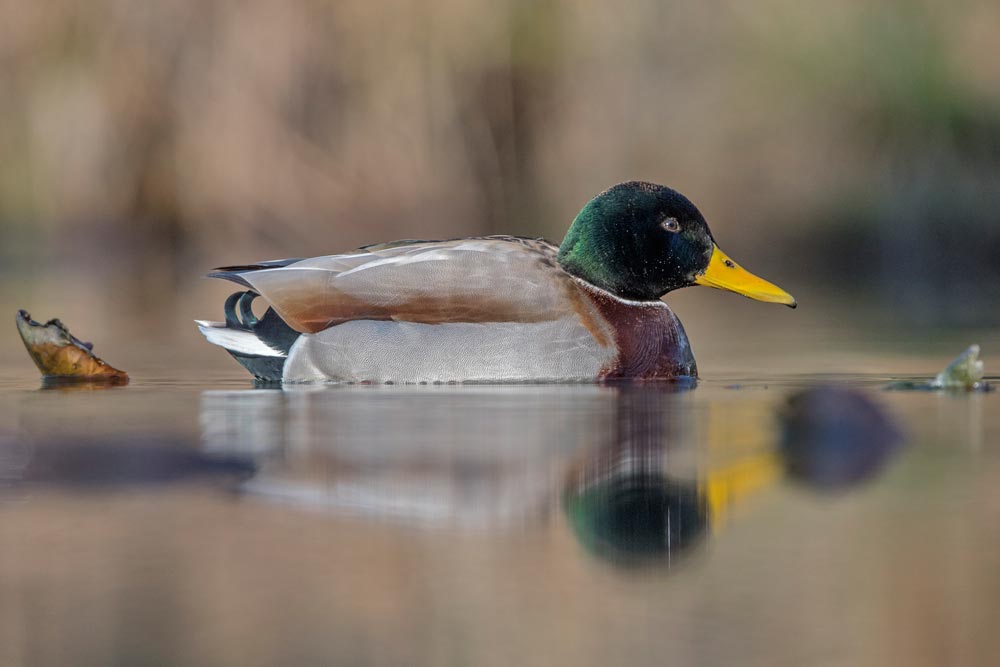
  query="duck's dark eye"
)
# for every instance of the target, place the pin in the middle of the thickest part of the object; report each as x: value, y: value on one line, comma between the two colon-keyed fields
x: 671, y: 225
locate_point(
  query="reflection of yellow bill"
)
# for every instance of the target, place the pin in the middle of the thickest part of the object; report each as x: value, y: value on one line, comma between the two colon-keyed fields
x: 726, y: 487
x: 724, y: 273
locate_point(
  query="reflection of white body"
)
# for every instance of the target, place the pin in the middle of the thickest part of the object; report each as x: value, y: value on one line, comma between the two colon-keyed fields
x: 466, y: 456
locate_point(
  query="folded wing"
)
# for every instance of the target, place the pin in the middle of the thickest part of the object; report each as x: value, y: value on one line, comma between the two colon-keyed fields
x: 491, y: 279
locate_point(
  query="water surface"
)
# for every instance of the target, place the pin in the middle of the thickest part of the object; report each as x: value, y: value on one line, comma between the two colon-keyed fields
x: 180, y: 521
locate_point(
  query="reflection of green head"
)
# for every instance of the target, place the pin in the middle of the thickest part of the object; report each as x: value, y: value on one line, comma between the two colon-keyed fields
x: 637, y: 518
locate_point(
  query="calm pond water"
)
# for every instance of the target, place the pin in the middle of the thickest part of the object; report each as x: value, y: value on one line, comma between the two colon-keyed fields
x: 211, y: 522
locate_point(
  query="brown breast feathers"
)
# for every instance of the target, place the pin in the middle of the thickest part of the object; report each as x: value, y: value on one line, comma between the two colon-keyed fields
x: 650, y: 340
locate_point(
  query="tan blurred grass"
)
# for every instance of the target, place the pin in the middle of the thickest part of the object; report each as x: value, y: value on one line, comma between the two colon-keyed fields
x: 145, y: 142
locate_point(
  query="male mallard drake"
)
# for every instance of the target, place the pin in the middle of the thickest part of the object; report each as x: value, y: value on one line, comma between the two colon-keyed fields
x: 493, y: 308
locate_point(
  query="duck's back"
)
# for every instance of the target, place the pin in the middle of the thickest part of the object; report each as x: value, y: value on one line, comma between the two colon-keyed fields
x: 488, y: 279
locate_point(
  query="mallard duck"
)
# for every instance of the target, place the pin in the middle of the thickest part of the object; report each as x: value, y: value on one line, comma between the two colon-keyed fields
x: 491, y: 308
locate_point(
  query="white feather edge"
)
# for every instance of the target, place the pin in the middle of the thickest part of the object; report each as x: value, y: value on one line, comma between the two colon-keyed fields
x: 235, y: 340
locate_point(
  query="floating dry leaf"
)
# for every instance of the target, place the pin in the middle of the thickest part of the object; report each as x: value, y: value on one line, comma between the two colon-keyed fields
x: 59, y: 354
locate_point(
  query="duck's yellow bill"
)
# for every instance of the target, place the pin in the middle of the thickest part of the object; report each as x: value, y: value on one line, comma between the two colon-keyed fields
x: 724, y: 273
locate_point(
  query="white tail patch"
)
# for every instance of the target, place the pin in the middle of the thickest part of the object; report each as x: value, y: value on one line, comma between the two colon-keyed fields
x: 234, y: 340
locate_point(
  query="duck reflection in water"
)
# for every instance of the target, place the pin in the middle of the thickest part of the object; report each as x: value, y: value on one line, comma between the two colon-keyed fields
x: 476, y: 458
x: 621, y: 503
x: 640, y: 473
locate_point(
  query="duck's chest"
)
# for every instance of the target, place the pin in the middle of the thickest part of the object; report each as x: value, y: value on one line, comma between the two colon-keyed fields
x: 648, y: 339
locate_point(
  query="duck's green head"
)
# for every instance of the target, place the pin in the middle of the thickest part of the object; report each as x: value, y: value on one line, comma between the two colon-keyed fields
x: 641, y: 240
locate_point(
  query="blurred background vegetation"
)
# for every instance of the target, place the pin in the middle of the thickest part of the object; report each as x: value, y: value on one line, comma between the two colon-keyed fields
x: 847, y: 150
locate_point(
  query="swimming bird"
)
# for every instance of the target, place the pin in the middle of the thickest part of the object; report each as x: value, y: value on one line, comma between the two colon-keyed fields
x: 491, y: 308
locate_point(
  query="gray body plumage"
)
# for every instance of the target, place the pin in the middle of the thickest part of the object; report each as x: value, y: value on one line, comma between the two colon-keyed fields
x: 407, y: 352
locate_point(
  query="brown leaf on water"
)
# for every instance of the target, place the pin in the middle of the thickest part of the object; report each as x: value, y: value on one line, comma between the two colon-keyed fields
x: 59, y: 354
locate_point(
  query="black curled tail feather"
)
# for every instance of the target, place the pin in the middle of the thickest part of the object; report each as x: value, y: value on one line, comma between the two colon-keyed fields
x: 260, y: 345
x: 270, y: 328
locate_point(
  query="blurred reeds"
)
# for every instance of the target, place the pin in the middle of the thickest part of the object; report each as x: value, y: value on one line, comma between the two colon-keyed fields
x: 853, y: 144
